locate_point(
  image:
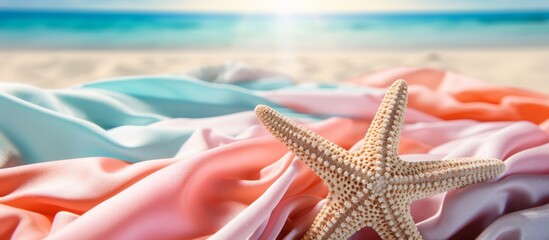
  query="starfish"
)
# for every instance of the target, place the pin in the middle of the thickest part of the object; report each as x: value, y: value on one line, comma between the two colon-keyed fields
x: 373, y: 187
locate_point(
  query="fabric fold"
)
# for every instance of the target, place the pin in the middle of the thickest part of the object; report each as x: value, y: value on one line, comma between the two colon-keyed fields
x: 174, y: 157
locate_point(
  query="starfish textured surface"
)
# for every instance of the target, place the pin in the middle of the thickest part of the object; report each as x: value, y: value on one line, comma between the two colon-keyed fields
x: 373, y: 187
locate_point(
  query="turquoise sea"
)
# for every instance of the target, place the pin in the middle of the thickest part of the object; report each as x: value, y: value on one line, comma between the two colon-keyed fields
x: 125, y: 30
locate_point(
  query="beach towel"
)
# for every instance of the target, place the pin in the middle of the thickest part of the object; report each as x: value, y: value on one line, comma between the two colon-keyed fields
x: 183, y: 156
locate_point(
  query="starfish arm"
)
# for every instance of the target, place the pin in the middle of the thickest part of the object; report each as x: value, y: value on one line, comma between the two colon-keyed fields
x: 338, y: 219
x: 322, y: 156
x: 433, y: 177
x: 322, y: 225
x: 381, y: 141
x: 397, y: 223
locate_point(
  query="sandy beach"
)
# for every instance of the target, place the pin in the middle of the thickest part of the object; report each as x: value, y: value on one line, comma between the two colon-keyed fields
x: 524, y: 68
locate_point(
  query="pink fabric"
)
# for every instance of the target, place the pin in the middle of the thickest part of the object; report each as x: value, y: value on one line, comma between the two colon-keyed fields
x: 240, y: 182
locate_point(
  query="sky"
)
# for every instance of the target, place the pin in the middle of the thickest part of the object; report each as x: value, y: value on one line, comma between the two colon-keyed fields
x: 280, y: 6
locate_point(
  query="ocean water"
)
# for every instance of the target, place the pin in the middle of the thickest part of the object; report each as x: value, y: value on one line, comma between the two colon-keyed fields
x: 109, y: 30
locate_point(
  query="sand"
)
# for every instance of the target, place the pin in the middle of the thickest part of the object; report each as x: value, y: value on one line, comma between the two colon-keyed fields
x: 525, y: 68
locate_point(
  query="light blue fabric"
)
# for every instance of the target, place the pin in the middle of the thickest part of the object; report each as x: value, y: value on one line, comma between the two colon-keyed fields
x: 184, y: 97
x: 47, y: 125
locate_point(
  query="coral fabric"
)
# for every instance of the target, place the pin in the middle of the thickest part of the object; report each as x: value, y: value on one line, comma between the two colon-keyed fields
x: 451, y: 96
x: 172, y: 157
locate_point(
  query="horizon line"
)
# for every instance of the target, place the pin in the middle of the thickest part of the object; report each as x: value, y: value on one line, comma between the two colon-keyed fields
x: 267, y: 13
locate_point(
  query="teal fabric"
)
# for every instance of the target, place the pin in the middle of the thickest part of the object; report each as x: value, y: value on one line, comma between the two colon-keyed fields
x: 88, y: 120
x: 184, y: 97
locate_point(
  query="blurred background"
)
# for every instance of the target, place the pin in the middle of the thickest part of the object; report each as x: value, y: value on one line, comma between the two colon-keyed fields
x: 61, y: 43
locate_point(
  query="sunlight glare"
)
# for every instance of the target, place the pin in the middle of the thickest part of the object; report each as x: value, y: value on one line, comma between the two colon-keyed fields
x: 287, y: 7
